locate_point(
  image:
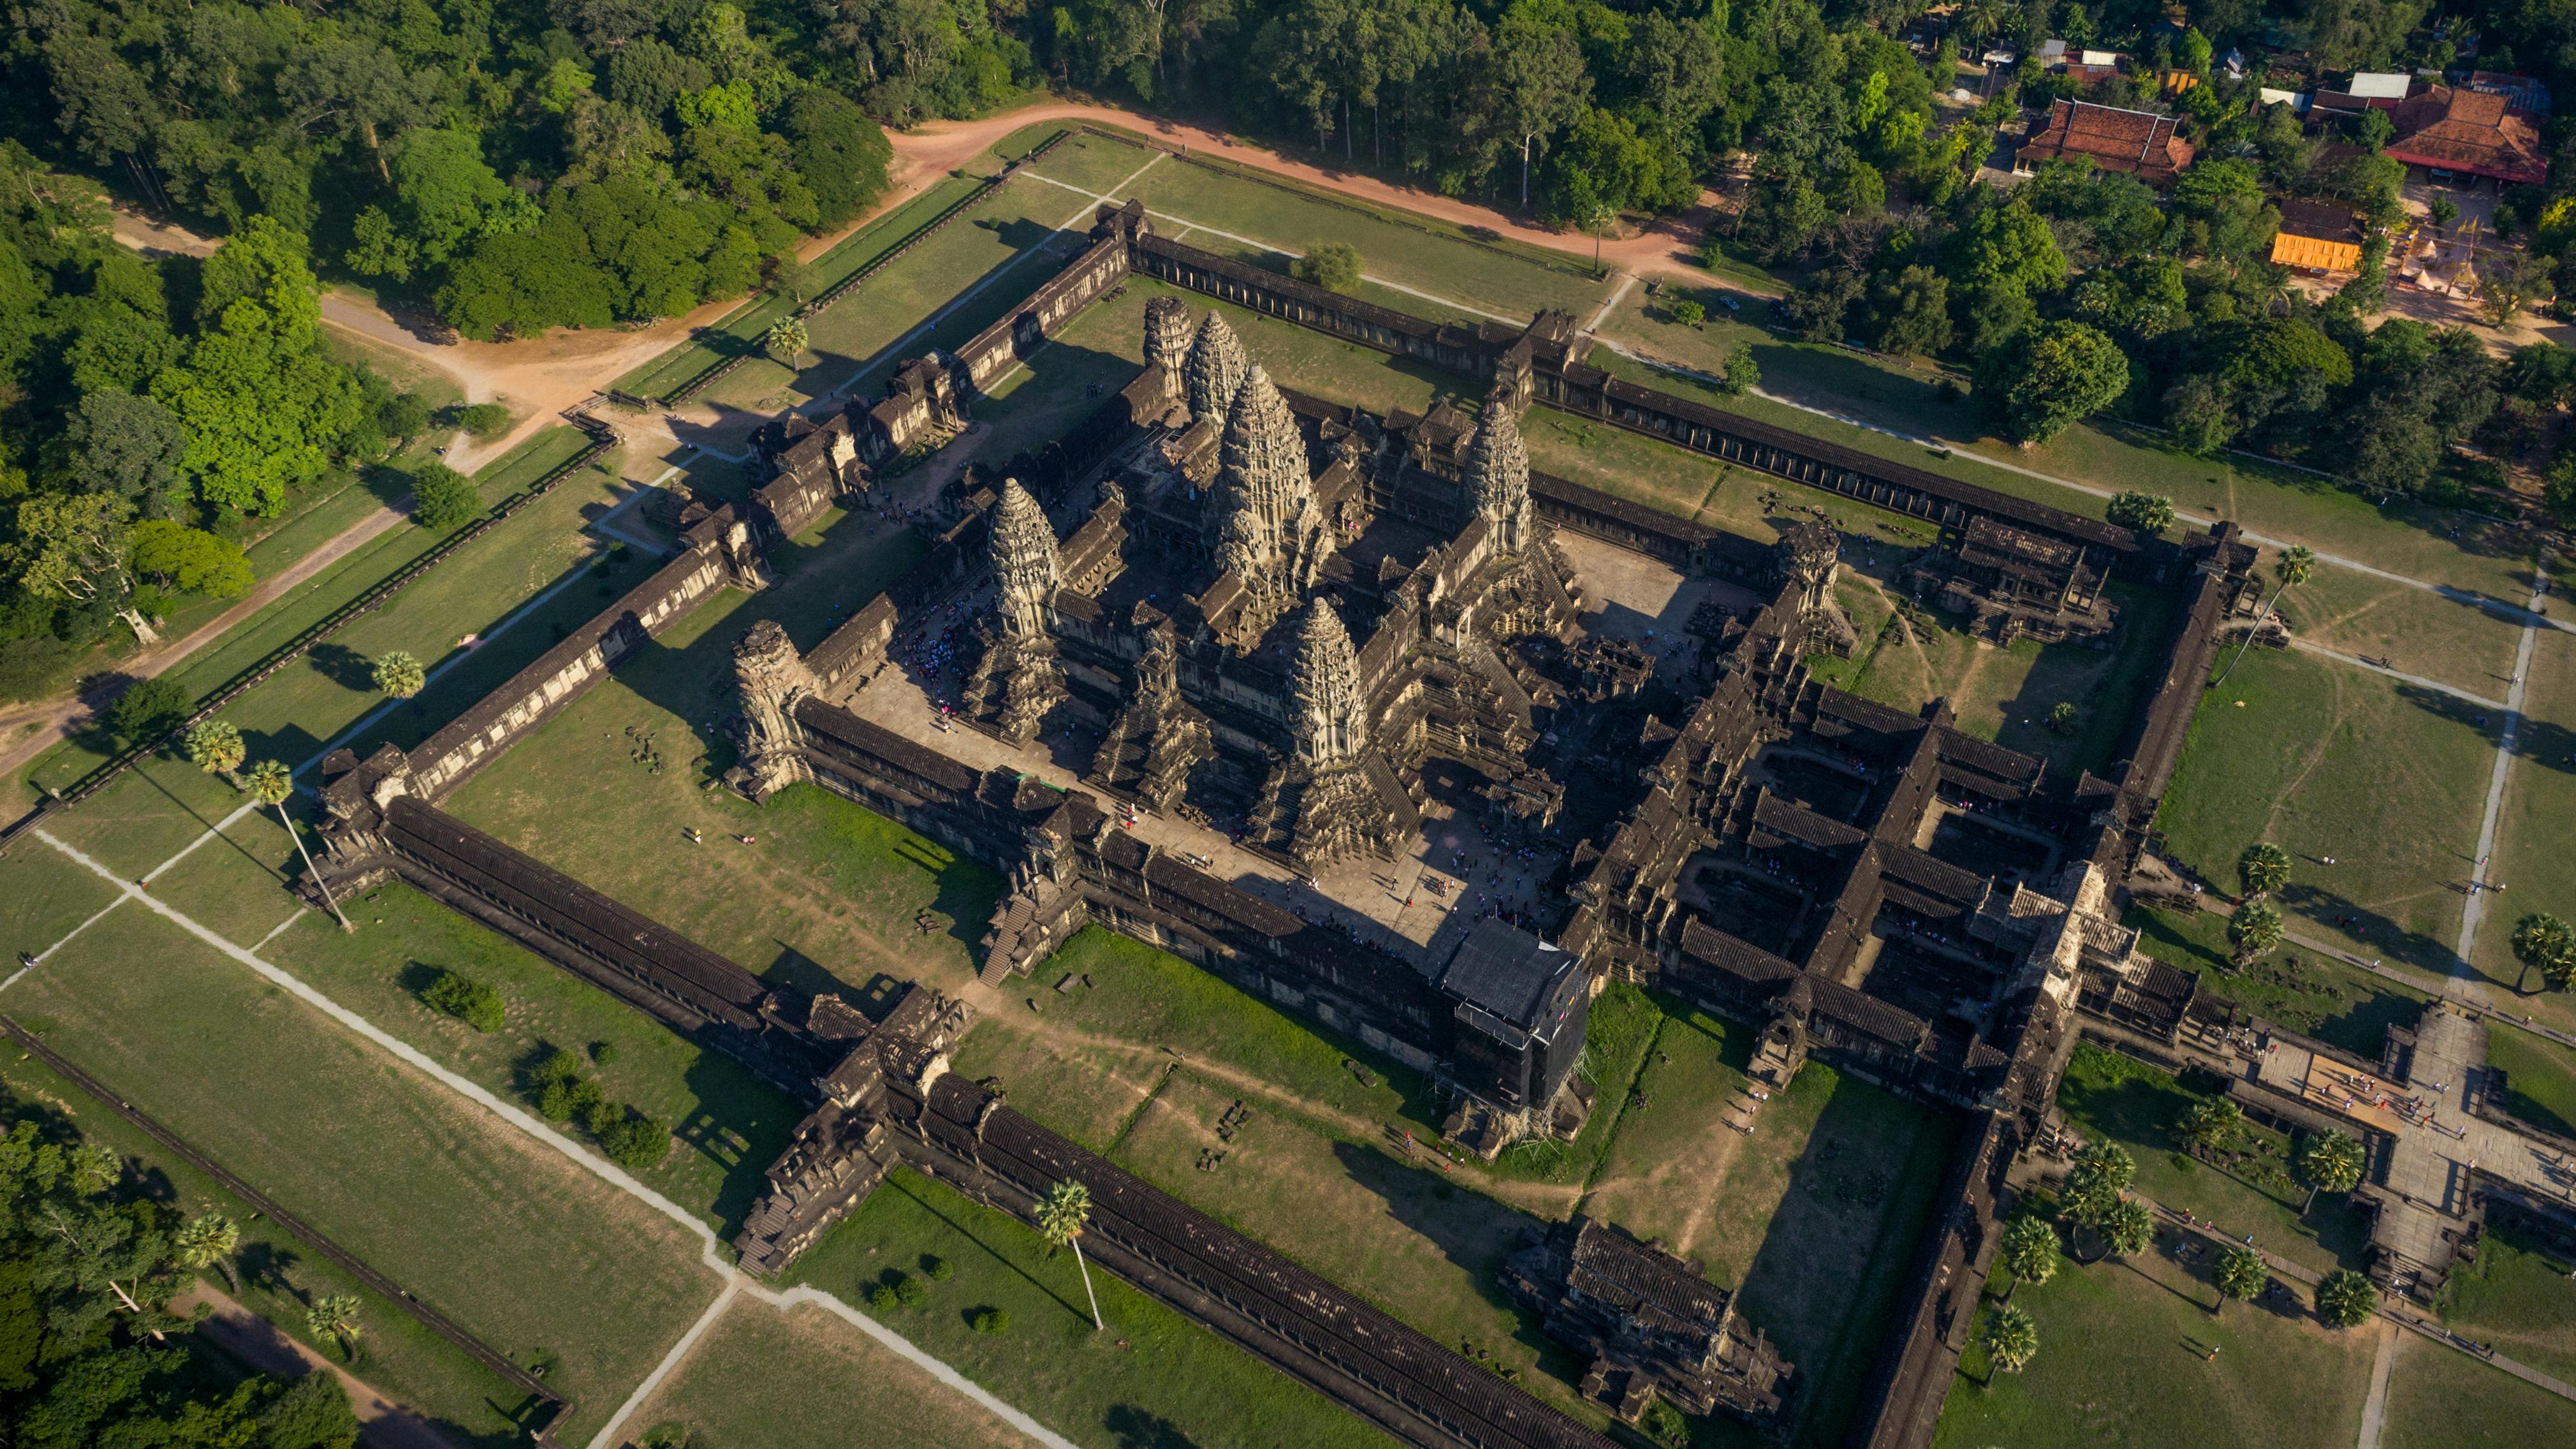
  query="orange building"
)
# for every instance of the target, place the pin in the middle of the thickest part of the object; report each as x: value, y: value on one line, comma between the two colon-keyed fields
x: 2318, y: 237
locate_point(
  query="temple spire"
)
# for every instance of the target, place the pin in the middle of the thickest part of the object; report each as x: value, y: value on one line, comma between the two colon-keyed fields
x: 1261, y: 462
x: 1167, y: 343
x: 1498, y: 476
x: 1026, y: 572
x: 1216, y: 368
x: 1328, y: 719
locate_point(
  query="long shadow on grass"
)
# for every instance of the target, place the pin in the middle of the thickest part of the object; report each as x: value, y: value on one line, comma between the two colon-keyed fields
x: 1001, y: 1256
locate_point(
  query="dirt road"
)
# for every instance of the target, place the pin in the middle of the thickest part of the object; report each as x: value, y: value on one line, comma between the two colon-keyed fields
x: 382, y: 1423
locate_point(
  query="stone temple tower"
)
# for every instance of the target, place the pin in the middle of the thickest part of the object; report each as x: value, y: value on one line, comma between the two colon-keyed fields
x: 1026, y: 571
x: 1324, y: 802
x: 1269, y: 530
x: 771, y: 678
x: 1167, y: 344
x: 1216, y: 368
x: 1018, y: 679
x: 1498, y: 477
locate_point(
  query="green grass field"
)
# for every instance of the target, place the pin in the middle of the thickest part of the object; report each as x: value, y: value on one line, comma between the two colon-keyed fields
x: 2531, y: 855
x: 2125, y: 1362
x: 2312, y: 994
x: 278, y: 1278
x: 2441, y: 1399
x: 2327, y: 760
x: 2516, y: 1297
x: 2540, y: 1078
x: 542, y: 1259
x: 804, y: 1379
x: 1154, y: 1378
x: 2440, y: 638
x: 2117, y: 1098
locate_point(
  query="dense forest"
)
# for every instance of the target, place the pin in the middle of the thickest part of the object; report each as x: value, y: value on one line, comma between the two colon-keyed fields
x: 90, y: 1354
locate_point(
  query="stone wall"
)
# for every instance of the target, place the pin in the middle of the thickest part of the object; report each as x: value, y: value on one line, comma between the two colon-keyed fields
x: 717, y: 552
x: 1918, y: 1359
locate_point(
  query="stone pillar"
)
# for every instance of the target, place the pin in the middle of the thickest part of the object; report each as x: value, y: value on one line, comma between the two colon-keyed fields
x: 1026, y: 569
x: 1498, y: 476
x: 1167, y: 344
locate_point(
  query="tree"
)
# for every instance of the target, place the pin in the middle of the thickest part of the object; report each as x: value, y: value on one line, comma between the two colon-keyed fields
x: 2289, y: 571
x: 2347, y: 1299
x: 263, y: 407
x: 334, y: 1317
x: 209, y: 1241
x: 2049, y: 376
x: 73, y: 548
x: 442, y: 498
x: 270, y: 784
x: 2011, y: 1338
x: 215, y: 747
x: 2262, y: 869
x: 360, y: 90
x: 2094, y: 1183
x: 485, y: 420
x: 2148, y: 513
x: 478, y: 1004
x: 2212, y: 1125
x: 2128, y: 1227
x: 313, y: 1413
x: 1686, y: 313
x: 2509, y: 282
x: 148, y: 707
x: 1062, y: 1215
x: 1741, y: 374
x: 786, y: 340
x: 2330, y: 1162
x: 398, y: 674
x: 1537, y: 79
x: 841, y: 153
x: 1334, y: 266
x: 2544, y: 943
x: 2240, y: 1275
x: 2254, y: 930
x: 793, y: 279
x: 172, y: 555
x: 2030, y: 1250
x: 129, y: 446
x: 2064, y: 719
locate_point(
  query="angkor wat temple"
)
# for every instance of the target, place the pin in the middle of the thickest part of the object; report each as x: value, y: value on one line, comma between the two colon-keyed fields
x: 1247, y: 674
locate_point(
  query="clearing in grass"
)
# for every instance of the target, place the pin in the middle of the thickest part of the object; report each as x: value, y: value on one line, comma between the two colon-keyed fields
x: 447, y: 1199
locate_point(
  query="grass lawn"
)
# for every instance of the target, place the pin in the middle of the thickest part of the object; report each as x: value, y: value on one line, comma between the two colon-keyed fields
x: 1813, y: 1219
x: 805, y: 1379
x: 730, y: 1124
x: 2540, y: 1080
x: 2388, y: 778
x: 2433, y: 635
x: 2516, y: 1297
x: 2311, y: 994
x: 2531, y: 855
x: 1155, y: 1378
x: 2442, y: 1399
x: 543, y: 1260
x: 2488, y: 559
x: 2125, y: 1363
x: 279, y: 1278
x: 2120, y: 1099
x: 48, y: 896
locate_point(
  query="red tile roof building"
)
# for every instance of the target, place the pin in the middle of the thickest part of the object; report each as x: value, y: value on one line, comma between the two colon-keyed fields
x: 2140, y: 142
x: 2468, y: 132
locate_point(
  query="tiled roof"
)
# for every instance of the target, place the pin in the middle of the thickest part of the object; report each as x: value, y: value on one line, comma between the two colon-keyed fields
x: 2114, y: 139
x: 2463, y: 130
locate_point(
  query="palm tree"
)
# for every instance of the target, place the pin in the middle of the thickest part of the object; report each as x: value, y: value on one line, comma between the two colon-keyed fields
x: 2546, y: 944
x: 2262, y: 869
x: 2128, y: 1227
x: 399, y: 674
x: 208, y: 1242
x: 2241, y: 1275
x: 1062, y: 1215
x: 2254, y: 929
x: 2332, y: 1162
x: 2101, y: 1173
x: 2030, y: 1251
x: 2292, y: 569
x: 2011, y: 1338
x: 216, y: 748
x: 335, y: 1317
x: 270, y: 784
x: 2347, y: 1299
x: 2212, y: 1123
x: 786, y: 341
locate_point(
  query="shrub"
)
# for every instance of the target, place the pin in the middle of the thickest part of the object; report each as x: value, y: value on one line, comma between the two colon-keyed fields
x: 485, y: 420
x: 603, y: 1052
x: 882, y: 1299
x: 636, y: 1142
x: 669, y: 1435
x: 148, y: 707
x: 989, y: 1320
x: 2062, y: 719
x: 939, y: 1269
x: 478, y: 1004
x: 1687, y: 314
x: 908, y: 1289
x: 442, y: 498
x: 2148, y: 513
x: 1334, y: 266
x: 1665, y: 1425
